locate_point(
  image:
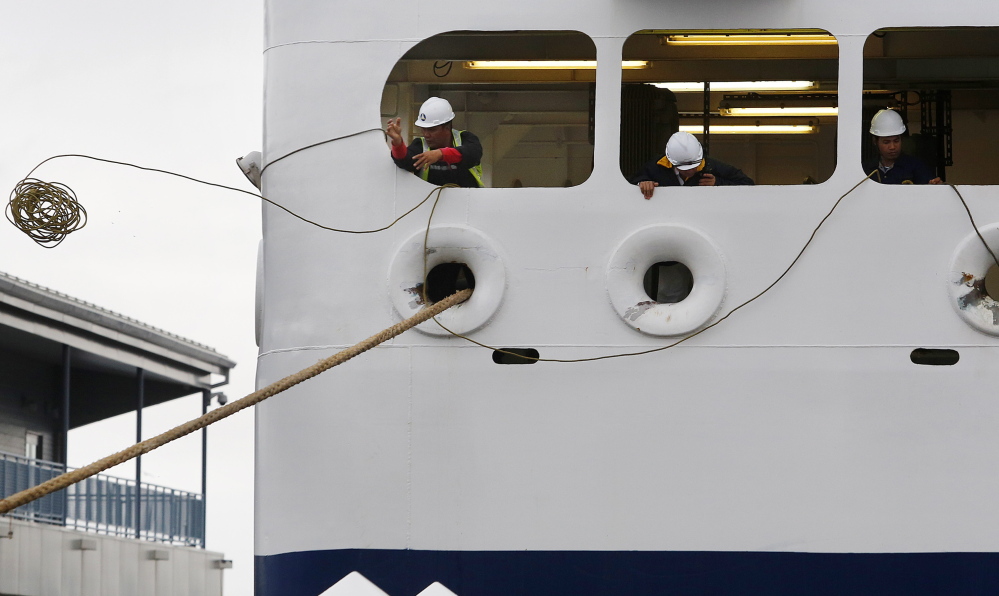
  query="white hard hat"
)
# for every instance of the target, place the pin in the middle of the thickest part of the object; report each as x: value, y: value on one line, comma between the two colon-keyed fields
x: 434, y: 112
x: 684, y: 151
x: 887, y: 123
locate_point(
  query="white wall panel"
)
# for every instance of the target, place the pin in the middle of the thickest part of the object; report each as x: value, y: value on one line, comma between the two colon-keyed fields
x: 147, y: 572
x: 53, y: 558
x: 128, y: 557
x: 9, y: 564
x: 42, y: 560
x: 72, y: 570
x: 110, y: 553
x: 180, y: 562
x: 164, y: 578
x: 197, y: 567
x: 30, y: 561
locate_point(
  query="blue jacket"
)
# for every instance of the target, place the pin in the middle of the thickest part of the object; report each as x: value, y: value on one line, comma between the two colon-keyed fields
x: 907, y: 170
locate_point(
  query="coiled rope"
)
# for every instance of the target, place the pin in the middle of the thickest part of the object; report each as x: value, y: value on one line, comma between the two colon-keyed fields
x: 46, y: 212
x: 60, y: 482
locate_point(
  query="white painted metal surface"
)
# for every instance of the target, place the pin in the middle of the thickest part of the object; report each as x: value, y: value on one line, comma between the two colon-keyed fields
x: 797, y: 425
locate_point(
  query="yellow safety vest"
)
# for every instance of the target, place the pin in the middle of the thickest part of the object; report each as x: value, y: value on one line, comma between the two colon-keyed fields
x: 476, y: 171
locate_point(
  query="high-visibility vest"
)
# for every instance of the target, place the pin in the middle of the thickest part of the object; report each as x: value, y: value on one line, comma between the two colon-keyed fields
x: 475, y: 171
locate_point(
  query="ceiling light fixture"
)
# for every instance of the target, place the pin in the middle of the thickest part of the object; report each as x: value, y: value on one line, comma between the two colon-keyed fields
x: 780, y: 111
x: 751, y: 39
x: 697, y: 87
x: 750, y: 129
x: 547, y: 64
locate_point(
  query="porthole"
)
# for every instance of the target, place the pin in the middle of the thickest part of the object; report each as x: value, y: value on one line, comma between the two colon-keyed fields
x: 973, y: 280
x: 629, y: 279
x: 668, y: 282
x: 456, y: 257
x: 446, y: 279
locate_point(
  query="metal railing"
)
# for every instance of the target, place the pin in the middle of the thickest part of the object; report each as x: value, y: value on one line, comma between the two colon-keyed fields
x: 106, y: 504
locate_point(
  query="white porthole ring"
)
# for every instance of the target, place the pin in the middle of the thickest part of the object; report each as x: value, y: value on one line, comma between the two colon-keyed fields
x: 448, y: 244
x: 966, y: 282
x: 668, y: 242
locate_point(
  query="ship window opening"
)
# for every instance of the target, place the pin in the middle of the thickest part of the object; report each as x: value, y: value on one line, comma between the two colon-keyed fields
x: 668, y: 282
x: 992, y: 282
x: 528, y: 96
x: 446, y: 279
x: 943, y: 82
x: 934, y: 357
x: 769, y: 99
x: 516, y: 356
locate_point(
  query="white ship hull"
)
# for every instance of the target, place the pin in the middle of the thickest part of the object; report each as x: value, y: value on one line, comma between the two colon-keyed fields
x: 794, y: 448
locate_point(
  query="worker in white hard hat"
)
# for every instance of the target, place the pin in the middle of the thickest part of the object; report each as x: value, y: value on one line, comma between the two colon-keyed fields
x: 685, y: 165
x: 442, y: 155
x: 891, y: 165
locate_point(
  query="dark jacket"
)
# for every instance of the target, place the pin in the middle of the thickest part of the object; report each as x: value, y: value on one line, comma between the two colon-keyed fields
x: 444, y: 173
x: 725, y: 175
x: 907, y: 170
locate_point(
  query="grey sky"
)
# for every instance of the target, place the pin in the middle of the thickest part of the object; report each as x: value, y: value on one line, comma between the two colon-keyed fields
x: 175, y: 86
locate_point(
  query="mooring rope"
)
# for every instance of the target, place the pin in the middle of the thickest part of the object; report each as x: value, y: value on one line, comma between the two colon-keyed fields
x: 60, y: 482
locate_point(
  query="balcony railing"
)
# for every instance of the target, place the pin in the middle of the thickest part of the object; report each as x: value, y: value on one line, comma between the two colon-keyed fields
x: 105, y: 504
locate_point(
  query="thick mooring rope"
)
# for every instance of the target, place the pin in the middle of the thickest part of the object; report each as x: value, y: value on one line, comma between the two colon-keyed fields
x: 60, y: 482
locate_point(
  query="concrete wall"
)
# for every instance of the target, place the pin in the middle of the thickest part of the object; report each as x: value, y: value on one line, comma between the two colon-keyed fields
x: 41, y: 560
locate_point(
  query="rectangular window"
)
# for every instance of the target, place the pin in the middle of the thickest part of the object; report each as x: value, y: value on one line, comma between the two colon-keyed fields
x: 767, y: 97
x: 33, y: 445
x: 941, y: 83
x: 527, y: 96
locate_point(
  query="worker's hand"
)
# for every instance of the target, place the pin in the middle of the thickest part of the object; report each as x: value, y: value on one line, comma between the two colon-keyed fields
x: 394, y: 131
x: 426, y: 158
x: 706, y: 180
x: 936, y: 181
x: 647, y: 187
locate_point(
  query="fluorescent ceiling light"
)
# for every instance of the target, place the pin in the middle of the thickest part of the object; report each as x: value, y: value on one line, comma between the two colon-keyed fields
x: 751, y: 39
x: 547, y: 64
x: 749, y: 129
x: 738, y: 86
x: 787, y: 111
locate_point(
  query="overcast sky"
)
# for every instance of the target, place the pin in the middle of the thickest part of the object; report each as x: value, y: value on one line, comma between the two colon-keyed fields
x: 176, y: 86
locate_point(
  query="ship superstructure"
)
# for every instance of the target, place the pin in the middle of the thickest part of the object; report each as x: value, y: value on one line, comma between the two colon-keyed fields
x: 836, y: 435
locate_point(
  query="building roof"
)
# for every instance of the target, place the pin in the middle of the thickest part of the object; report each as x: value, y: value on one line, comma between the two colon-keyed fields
x: 108, y: 319
x: 107, y: 350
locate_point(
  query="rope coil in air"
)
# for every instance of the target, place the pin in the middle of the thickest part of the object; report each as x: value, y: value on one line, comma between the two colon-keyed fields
x: 46, y: 212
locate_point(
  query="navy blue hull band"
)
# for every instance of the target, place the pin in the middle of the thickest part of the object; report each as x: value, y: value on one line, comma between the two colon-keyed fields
x: 633, y: 573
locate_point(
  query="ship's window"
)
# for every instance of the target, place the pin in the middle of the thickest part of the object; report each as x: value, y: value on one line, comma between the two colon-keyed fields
x: 668, y: 282
x: 527, y: 95
x: 767, y: 97
x: 446, y: 279
x: 943, y: 82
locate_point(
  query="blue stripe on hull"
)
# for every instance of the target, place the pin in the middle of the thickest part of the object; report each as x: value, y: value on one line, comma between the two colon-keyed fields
x: 633, y: 573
